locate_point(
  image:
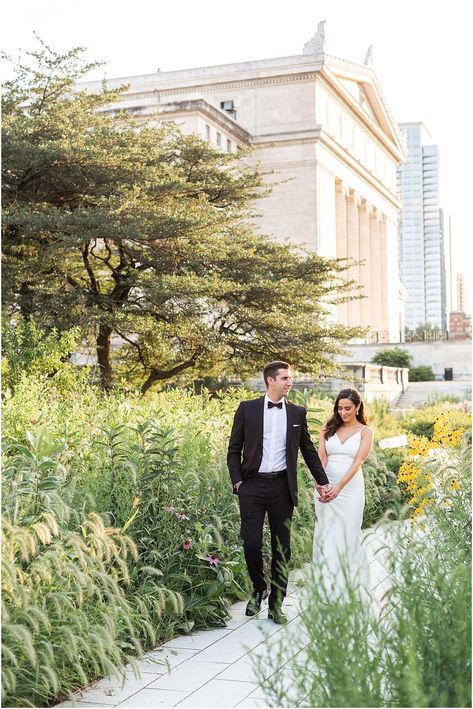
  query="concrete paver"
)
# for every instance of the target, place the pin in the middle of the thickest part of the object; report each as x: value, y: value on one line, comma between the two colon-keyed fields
x: 219, y: 693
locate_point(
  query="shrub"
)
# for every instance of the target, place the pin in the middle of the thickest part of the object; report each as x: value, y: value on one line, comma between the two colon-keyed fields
x: 422, y: 373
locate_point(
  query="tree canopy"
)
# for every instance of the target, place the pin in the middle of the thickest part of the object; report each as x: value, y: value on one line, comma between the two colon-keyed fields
x: 143, y: 237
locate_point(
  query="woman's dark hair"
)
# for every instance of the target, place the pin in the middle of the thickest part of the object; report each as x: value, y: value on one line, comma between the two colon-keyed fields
x: 335, y: 421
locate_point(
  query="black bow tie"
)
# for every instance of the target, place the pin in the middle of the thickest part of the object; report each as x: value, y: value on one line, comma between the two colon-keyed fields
x: 278, y: 406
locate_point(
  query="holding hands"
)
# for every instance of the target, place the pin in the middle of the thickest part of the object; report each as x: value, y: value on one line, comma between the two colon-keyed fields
x: 328, y: 492
x: 324, y: 491
x: 332, y: 492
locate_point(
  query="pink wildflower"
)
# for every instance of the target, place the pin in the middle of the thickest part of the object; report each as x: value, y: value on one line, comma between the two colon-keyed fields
x: 212, y: 559
x: 186, y: 544
x: 181, y: 515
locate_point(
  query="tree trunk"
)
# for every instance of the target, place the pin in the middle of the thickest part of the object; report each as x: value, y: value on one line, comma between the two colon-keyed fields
x: 157, y: 375
x: 104, y: 357
x: 153, y: 377
x: 26, y: 300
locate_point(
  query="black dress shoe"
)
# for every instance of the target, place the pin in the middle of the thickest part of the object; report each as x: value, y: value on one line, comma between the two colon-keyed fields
x: 277, y: 616
x: 254, y: 604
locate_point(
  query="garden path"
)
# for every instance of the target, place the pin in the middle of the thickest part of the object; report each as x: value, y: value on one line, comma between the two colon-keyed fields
x: 213, y: 668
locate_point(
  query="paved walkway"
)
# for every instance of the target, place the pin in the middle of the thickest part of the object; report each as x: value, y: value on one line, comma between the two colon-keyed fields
x: 213, y: 668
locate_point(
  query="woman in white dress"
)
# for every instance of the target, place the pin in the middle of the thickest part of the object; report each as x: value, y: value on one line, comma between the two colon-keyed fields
x: 345, y: 442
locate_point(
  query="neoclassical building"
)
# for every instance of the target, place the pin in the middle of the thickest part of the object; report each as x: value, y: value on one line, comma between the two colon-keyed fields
x: 323, y: 126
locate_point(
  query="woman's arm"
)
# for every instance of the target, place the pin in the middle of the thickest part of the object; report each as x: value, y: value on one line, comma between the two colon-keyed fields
x: 322, y: 449
x: 363, y: 452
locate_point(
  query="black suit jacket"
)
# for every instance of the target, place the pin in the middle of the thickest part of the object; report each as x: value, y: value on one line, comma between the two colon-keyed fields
x: 245, y: 449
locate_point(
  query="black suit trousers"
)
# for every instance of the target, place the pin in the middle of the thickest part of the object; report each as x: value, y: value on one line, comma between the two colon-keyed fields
x: 258, y: 495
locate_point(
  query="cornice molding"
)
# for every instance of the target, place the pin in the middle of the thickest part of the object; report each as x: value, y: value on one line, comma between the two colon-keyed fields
x: 221, y: 85
x: 200, y: 106
x: 302, y: 136
x: 281, y: 165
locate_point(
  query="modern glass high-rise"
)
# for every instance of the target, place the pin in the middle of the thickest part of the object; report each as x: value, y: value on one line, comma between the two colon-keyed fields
x: 421, y: 231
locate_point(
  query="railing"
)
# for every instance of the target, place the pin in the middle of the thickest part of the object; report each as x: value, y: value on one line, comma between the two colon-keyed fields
x: 372, y: 380
x: 384, y: 336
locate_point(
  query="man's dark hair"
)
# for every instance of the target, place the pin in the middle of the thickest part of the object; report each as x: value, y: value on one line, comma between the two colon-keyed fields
x: 271, y: 370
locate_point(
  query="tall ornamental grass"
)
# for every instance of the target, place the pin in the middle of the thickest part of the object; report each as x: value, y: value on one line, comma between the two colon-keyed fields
x: 411, y: 648
x: 120, y: 526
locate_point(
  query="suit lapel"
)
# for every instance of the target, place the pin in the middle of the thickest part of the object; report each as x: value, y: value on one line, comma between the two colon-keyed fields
x: 260, y: 419
x: 289, y: 420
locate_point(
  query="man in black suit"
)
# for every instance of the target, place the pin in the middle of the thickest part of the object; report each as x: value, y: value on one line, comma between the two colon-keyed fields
x: 262, y: 459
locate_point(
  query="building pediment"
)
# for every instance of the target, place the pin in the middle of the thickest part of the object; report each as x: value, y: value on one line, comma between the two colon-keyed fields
x: 358, y: 86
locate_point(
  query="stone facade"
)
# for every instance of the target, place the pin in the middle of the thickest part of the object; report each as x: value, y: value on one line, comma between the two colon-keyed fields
x: 323, y: 126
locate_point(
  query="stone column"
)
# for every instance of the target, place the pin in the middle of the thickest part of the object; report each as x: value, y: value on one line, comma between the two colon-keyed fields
x: 383, y: 301
x: 365, y: 266
x: 325, y: 212
x: 375, y: 271
x: 353, y: 251
x: 341, y: 191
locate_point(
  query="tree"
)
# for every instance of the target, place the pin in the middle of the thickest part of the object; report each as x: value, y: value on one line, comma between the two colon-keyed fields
x: 395, y: 357
x: 144, y: 234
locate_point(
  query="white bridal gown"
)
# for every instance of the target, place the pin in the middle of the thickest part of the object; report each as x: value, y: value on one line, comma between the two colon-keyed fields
x: 338, y: 554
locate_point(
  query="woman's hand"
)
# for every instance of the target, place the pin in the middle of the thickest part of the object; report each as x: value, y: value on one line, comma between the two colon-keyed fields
x: 332, y: 493
x: 322, y: 490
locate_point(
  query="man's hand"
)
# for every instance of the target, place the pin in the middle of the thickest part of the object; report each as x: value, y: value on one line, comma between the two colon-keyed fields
x: 237, y: 486
x: 323, y: 491
x: 333, y: 493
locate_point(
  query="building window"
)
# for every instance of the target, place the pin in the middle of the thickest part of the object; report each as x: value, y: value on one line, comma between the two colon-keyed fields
x: 219, y: 139
x: 229, y: 146
x: 229, y: 108
x: 207, y: 131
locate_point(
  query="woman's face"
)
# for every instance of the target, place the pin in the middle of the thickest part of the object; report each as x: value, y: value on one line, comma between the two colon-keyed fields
x: 347, y: 411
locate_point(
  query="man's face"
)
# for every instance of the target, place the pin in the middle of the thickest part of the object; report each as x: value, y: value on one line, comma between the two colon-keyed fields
x: 281, y: 385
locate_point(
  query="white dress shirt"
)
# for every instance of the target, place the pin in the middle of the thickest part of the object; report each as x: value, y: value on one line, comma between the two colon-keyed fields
x: 274, y: 438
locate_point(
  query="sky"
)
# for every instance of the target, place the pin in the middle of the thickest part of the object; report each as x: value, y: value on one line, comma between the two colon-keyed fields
x: 420, y: 56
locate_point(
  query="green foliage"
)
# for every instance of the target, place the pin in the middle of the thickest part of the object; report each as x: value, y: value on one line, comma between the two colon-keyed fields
x: 89, y: 473
x: 395, y: 357
x: 307, y: 398
x: 146, y: 479
x: 421, y: 421
x: 411, y: 650
x: 65, y: 611
x: 144, y: 235
x: 382, y: 494
x: 26, y: 348
x: 381, y: 417
x: 422, y: 373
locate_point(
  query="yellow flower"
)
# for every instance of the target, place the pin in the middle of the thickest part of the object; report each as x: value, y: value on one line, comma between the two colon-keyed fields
x: 412, y: 472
